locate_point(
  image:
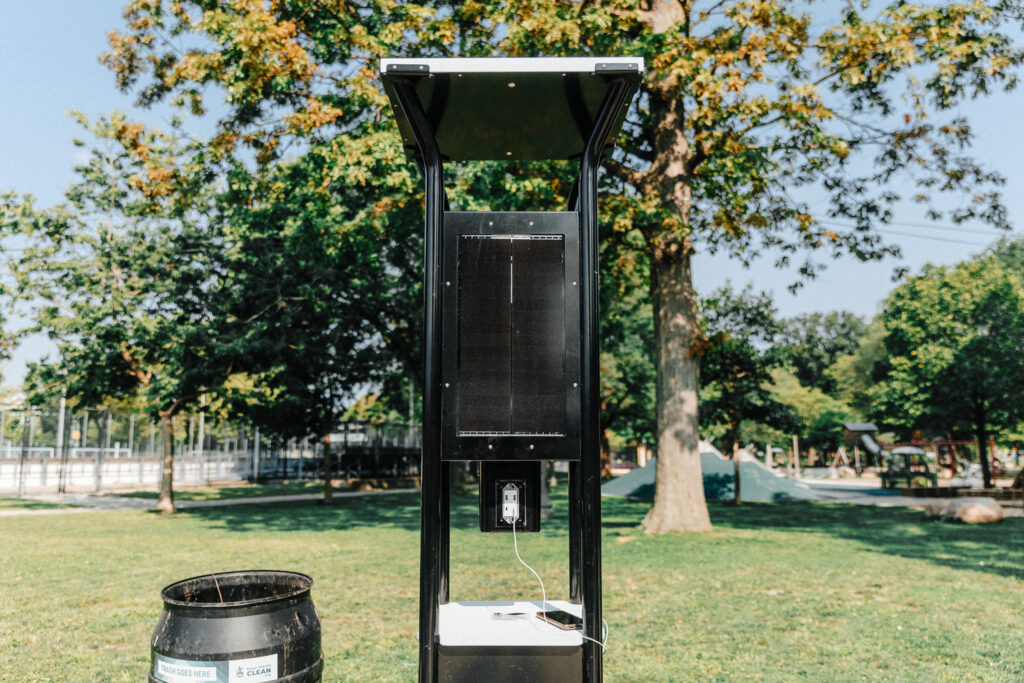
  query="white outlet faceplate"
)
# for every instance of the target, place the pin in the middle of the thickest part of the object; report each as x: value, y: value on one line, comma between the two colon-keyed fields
x: 510, y: 503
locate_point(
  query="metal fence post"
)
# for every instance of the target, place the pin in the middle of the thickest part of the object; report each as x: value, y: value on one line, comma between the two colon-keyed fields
x: 256, y: 455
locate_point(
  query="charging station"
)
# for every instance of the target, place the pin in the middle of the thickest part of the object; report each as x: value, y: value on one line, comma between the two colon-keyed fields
x: 511, y: 375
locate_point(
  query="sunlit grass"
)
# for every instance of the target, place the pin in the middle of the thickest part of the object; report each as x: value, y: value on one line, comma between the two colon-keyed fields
x: 776, y: 592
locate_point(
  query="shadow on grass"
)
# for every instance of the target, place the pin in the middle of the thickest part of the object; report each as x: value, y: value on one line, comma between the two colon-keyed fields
x: 903, y: 532
x: 397, y: 510
x: 29, y: 504
x: 400, y: 511
x: 993, y: 548
x: 229, y: 492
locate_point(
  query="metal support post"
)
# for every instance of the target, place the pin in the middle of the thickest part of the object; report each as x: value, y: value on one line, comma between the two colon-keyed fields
x: 256, y: 455
x: 131, y: 435
x: 430, y: 465
x: 590, y: 463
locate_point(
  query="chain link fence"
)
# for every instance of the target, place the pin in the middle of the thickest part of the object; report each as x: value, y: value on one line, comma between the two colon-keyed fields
x: 50, y: 450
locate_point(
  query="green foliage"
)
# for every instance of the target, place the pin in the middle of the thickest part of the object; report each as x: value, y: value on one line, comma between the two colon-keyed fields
x: 1010, y: 254
x: 813, y: 342
x: 855, y: 374
x: 953, y: 343
x: 736, y: 369
x: 628, y: 397
x: 313, y: 289
x: 721, y: 156
x: 748, y: 108
x: 121, y: 275
x: 821, y: 417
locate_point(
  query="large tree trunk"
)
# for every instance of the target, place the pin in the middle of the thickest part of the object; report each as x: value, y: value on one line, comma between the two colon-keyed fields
x: 679, y: 503
x: 606, y: 455
x: 982, y: 433
x: 735, y: 473
x: 165, y: 504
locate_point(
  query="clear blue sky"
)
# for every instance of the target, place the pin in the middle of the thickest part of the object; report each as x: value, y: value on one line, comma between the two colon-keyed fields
x: 49, y: 65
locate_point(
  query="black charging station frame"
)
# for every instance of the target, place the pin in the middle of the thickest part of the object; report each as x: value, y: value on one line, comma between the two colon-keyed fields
x: 500, y: 109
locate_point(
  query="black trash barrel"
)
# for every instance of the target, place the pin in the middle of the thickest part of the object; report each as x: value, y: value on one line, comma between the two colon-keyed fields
x: 234, y: 627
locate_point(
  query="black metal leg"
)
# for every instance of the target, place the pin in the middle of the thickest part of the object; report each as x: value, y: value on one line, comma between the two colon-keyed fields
x: 447, y: 472
x: 431, y: 468
x: 590, y: 446
x: 575, y: 538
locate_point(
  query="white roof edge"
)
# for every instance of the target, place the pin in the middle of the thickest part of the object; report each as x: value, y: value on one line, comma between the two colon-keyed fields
x: 456, y: 65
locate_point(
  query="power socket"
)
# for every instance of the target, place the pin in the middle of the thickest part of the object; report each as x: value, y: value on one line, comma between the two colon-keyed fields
x: 510, y: 503
x: 510, y: 496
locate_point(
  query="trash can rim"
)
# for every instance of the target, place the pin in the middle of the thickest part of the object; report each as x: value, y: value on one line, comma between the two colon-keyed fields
x: 304, y: 580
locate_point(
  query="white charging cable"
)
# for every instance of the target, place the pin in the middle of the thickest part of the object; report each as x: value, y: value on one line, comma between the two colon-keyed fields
x: 515, y: 545
x: 544, y: 594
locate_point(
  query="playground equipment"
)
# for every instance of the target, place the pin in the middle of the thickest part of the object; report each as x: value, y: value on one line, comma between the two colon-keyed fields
x: 511, y: 344
x: 908, y: 466
x: 861, y: 435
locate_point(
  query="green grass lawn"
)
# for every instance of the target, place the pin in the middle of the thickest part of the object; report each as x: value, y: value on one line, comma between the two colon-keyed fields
x: 28, y: 504
x: 237, y: 491
x: 797, y: 591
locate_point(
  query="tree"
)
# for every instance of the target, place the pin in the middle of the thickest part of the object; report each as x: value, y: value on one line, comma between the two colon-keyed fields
x: 819, y: 417
x: 1010, y: 254
x: 748, y: 109
x: 855, y: 374
x: 121, y: 278
x: 735, y: 369
x: 736, y: 378
x: 627, y: 351
x: 814, y: 341
x: 953, y: 338
x: 745, y: 104
x: 305, y: 290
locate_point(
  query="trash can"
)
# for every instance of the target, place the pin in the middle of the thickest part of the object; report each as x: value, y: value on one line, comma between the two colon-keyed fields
x: 230, y: 627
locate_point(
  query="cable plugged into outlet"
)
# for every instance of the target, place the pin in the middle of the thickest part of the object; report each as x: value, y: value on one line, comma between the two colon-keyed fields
x: 510, y: 503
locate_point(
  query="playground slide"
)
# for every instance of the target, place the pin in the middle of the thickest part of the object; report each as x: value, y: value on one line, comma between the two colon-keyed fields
x: 757, y: 482
x: 868, y: 443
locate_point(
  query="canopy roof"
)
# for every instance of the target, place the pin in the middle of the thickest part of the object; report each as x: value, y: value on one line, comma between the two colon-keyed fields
x: 493, y: 108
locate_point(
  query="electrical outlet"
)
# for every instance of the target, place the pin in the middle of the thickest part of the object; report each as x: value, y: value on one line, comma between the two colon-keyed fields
x: 510, y: 503
x: 510, y: 496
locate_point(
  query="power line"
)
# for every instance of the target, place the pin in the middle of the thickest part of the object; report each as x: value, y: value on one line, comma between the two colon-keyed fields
x: 929, y: 226
x: 888, y: 231
x: 930, y: 237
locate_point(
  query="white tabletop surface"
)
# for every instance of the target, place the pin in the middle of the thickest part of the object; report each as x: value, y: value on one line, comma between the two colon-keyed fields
x: 474, y: 624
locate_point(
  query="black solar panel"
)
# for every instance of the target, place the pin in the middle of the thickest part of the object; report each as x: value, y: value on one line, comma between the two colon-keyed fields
x: 485, y: 342
x: 511, y: 334
x: 538, y: 336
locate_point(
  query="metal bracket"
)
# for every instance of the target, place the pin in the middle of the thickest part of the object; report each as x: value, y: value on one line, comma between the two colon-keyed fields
x: 615, y: 68
x: 421, y: 69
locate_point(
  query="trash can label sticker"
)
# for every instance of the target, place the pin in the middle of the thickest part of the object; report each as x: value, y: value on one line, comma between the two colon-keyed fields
x: 181, y: 671
x: 252, y: 670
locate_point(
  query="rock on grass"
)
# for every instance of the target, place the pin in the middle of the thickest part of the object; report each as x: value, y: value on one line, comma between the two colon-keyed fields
x: 969, y: 510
